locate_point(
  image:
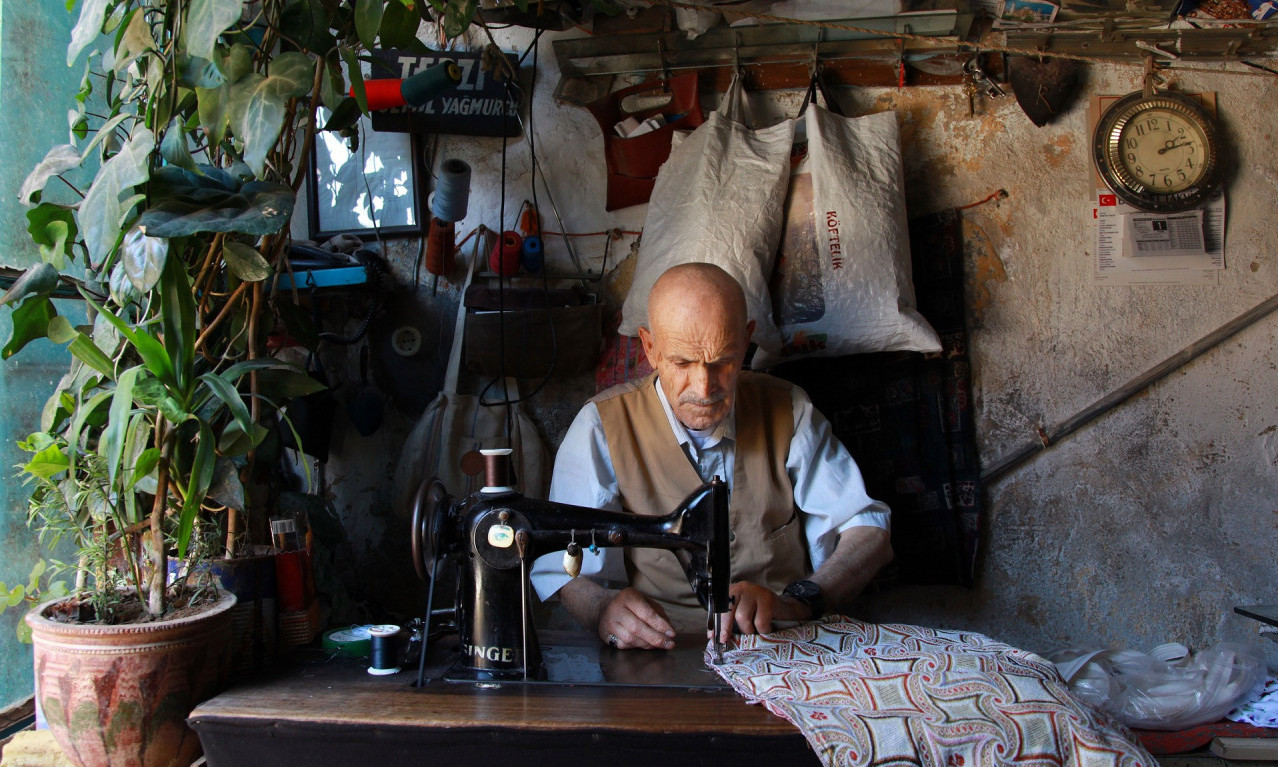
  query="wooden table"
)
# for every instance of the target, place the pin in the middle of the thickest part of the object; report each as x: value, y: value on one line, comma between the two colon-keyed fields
x: 322, y: 712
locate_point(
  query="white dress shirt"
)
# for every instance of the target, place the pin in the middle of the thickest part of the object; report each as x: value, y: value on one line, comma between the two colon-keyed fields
x: 828, y: 489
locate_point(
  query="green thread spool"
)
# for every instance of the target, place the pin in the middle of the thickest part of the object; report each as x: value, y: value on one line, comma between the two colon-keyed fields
x: 426, y: 85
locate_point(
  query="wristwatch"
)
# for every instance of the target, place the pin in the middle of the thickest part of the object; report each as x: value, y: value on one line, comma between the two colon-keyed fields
x: 809, y: 594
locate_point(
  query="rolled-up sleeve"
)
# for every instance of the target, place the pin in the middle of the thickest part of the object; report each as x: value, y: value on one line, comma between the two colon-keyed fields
x: 828, y: 487
x: 583, y: 476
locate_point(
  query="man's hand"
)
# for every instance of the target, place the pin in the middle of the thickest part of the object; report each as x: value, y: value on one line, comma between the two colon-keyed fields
x: 754, y: 609
x: 636, y: 622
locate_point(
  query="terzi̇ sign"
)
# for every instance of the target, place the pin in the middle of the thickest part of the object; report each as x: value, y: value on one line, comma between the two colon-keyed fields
x: 479, y: 105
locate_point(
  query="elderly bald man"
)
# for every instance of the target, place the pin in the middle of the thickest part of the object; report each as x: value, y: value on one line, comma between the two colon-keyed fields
x: 806, y: 536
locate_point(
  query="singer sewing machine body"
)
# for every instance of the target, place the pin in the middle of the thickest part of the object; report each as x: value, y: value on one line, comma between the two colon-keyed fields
x: 492, y: 538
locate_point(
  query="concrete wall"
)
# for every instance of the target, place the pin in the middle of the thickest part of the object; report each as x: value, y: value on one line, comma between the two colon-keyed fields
x: 33, y: 39
x: 1146, y: 527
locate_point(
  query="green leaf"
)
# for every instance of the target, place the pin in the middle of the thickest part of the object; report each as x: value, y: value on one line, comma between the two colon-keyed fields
x: 87, y: 413
x: 57, y: 161
x: 457, y: 17
x: 368, y: 20
x: 259, y: 104
x: 87, y: 29
x: 60, y: 330
x: 215, y: 118
x: 33, y: 580
x: 235, y: 441
x: 14, y: 596
x: 105, y: 131
x: 357, y: 77
x: 173, y: 147
x: 344, y: 116
x: 83, y: 349
x: 30, y: 321
x: 229, y: 396
x: 153, y: 353
x: 143, y: 258
x: 399, y: 26
x: 245, y: 262
x: 146, y: 464
x: 100, y: 211
x: 113, y: 437
x: 136, y: 39
x: 183, y: 203
x: 196, y: 72
x: 59, y: 234
x: 282, y: 385
x: 48, y: 463
x: 177, y: 314
x: 201, y: 477
x: 205, y: 21
x: 306, y: 23
x: 40, y: 280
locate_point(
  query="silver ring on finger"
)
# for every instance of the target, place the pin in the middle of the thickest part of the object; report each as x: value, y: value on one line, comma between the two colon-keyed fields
x: 612, y: 641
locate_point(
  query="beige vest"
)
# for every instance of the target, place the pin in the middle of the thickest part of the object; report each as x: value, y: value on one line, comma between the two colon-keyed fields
x: 654, y: 475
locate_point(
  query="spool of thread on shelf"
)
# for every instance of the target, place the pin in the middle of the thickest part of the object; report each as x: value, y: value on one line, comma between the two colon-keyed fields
x: 441, y: 247
x: 532, y: 254
x: 383, y: 653
x: 452, y: 191
x: 504, y: 258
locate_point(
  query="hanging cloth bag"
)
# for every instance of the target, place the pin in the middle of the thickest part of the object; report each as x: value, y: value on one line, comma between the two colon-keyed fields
x: 455, y: 424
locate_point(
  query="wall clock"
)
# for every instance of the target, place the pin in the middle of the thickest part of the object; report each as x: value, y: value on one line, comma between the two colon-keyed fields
x: 1158, y: 153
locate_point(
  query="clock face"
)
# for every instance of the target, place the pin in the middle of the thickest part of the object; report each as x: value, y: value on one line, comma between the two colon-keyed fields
x: 1157, y: 152
x: 1163, y: 150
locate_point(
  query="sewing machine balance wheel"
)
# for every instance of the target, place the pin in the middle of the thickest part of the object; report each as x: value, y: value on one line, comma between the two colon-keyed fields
x: 431, y: 505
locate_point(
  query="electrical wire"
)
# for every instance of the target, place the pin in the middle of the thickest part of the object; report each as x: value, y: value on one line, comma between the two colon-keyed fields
x: 533, y: 48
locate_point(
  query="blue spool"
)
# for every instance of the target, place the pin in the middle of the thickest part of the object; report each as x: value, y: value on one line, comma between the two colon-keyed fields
x: 452, y: 191
x: 532, y: 255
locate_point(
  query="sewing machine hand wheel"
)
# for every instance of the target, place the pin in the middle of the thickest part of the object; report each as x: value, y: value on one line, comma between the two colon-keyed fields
x: 430, y: 513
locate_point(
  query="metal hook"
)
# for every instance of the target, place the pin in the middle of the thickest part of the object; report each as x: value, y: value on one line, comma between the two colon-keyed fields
x: 661, y: 61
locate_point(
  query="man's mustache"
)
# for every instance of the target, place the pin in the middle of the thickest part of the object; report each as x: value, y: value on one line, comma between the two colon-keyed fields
x: 713, y: 399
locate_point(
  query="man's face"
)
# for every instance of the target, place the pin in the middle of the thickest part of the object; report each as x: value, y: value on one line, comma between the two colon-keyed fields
x: 697, y: 353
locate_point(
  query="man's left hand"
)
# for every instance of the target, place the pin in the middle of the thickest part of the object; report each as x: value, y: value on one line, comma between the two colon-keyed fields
x: 754, y: 609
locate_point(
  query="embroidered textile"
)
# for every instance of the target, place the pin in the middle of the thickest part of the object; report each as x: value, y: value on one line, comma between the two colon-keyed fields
x: 877, y: 694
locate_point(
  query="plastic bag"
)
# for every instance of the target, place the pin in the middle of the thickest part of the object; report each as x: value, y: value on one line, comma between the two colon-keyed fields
x: 718, y: 200
x: 843, y: 283
x: 1169, y: 688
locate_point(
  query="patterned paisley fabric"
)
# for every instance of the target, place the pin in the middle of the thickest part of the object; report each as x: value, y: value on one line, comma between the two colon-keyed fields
x: 880, y: 694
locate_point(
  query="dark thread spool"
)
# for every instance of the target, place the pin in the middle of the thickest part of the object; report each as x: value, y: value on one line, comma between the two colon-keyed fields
x: 383, y: 653
x: 496, y: 468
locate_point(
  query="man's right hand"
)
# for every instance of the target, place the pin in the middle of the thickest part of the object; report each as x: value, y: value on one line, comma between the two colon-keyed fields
x: 636, y: 622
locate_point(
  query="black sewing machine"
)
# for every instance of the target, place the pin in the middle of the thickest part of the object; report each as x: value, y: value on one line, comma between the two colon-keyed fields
x: 492, y: 538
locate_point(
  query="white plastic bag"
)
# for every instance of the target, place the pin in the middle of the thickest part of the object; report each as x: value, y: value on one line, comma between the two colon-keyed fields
x: 718, y: 200
x: 844, y: 282
x: 1169, y: 688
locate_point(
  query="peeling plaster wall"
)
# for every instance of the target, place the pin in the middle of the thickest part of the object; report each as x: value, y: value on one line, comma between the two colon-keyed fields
x: 1145, y: 527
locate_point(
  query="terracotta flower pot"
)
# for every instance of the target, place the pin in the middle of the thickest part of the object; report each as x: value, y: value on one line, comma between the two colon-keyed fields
x: 119, y: 696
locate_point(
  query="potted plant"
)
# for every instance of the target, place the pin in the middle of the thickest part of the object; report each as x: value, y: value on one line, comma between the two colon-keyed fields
x: 198, y: 117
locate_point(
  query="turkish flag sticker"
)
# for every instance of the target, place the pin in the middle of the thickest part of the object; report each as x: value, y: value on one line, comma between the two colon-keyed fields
x: 1108, y: 200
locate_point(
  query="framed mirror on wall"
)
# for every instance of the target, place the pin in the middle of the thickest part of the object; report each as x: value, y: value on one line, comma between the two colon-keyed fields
x: 374, y: 187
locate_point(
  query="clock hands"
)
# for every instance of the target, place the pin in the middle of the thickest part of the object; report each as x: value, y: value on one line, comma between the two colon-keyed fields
x: 1171, y: 146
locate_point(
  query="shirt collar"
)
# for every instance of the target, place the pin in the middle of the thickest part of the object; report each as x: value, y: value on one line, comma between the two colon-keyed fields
x: 727, y: 428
